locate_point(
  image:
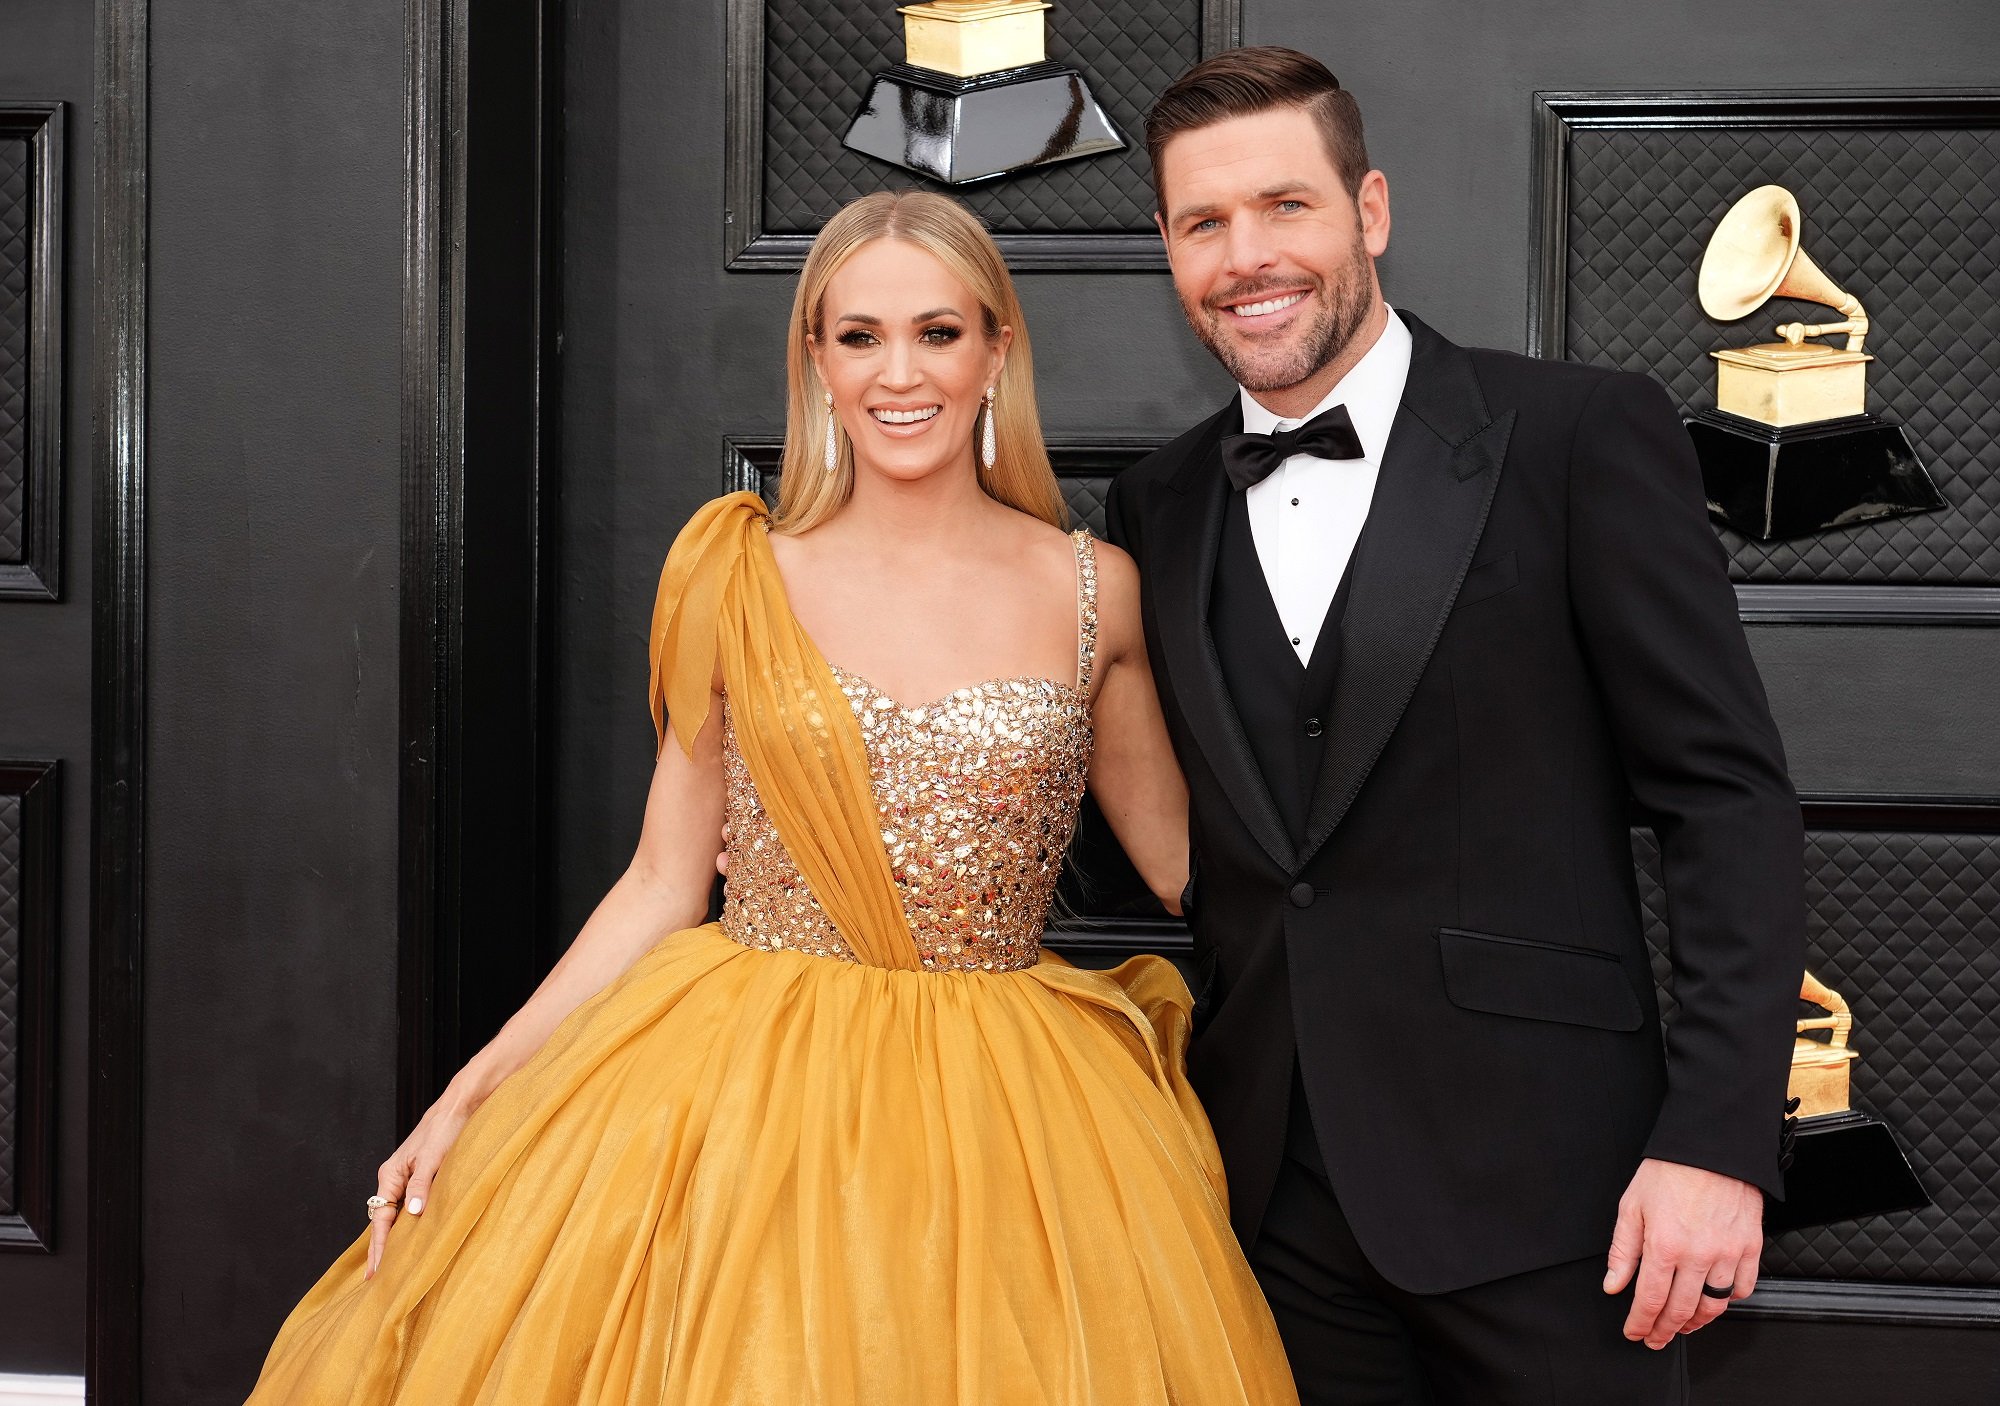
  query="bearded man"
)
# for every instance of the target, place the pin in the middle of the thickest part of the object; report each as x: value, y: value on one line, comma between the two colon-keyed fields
x: 1427, y: 621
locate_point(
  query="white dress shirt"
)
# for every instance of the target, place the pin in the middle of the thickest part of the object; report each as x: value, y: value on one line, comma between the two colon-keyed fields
x: 1306, y: 516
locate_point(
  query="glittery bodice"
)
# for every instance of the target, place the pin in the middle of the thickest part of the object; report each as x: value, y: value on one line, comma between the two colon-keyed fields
x: 977, y: 793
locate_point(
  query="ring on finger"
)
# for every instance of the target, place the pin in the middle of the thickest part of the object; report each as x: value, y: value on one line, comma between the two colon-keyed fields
x: 1718, y: 1291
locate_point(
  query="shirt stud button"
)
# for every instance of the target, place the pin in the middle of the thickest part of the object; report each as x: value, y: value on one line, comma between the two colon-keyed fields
x: 1312, y: 727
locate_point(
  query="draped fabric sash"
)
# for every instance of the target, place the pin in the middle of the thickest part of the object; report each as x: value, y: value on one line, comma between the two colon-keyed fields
x: 721, y: 600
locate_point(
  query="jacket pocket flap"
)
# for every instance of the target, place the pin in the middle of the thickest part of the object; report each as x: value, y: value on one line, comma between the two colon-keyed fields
x: 1488, y: 578
x: 1536, y: 980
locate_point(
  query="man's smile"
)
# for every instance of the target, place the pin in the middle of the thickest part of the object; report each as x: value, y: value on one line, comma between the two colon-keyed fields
x: 1267, y: 307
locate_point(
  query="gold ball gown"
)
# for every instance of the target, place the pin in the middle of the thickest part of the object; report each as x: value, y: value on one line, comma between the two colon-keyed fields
x: 862, y: 1143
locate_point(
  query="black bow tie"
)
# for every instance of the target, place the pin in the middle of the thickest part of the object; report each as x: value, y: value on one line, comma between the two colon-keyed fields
x: 1251, y: 458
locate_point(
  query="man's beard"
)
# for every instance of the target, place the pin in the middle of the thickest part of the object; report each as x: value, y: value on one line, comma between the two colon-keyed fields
x: 1343, y: 307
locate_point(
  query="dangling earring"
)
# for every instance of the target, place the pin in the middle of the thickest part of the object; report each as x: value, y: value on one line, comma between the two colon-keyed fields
x: 832, y: 444
x: 989, y: 445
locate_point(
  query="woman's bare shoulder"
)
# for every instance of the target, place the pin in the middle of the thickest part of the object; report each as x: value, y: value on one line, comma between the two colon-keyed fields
x: 1117, y: 577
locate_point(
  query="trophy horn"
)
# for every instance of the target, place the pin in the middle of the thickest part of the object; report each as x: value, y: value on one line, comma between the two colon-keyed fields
x: 1754, y: 256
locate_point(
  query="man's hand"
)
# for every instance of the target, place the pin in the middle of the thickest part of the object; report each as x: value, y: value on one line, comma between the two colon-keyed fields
x: 1680, y: 1228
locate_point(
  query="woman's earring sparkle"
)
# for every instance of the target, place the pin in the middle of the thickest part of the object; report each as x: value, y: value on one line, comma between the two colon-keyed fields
x: 989, y: 444
x: 832, y: 444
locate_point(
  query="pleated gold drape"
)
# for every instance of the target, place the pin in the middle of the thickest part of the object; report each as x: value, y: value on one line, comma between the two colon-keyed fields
x: 721, y: 597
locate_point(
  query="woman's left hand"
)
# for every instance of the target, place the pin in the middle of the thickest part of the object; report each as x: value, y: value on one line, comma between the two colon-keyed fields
x: 405, y: 1179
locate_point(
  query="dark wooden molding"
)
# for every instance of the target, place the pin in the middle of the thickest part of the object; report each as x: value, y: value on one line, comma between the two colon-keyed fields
x: 118, y: 699
x: 1917, y: 815
x: 38, y: 575
x: 1120, y: 252
x: 748, y: 247
x: 433, y: 464
x: 743, y: 233
x: 1101, y: 455
x: 482, y: 327
x: 30, y: 1223
x: 1847, y: 1301
x: 1548, y: 228
x: 1557, y: 116
x: 750, y: 461
x: 1867, y: 605
x: 747, y: 460
x: 1221, y: 26
x: 1117, y: 939
x: 549, y: 313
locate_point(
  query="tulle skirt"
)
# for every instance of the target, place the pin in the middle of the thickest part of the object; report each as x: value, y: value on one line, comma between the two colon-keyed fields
x: 749, y: 1177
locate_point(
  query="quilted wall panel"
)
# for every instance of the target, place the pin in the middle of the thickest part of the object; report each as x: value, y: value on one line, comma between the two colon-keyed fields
x: 10, y: 995
x: 1907, y: 928
x: 17, y: 212
x: 1907, y: 219
x: 818, y: 60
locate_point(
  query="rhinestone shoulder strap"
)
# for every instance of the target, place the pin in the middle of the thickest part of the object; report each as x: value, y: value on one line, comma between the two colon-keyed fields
x: 1086, y: 608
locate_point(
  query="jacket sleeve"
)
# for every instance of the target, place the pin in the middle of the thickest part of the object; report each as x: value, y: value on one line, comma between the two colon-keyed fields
x: 1650, y: 593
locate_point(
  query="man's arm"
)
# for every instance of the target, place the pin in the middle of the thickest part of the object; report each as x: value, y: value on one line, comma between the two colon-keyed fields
x: 1650, y: 592
x: 1119, y: 528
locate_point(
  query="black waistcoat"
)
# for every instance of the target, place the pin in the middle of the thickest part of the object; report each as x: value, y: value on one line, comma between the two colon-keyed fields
x: 1282, y: 703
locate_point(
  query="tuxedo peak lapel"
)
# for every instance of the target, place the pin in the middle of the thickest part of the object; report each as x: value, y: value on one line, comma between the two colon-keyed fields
x: 1180, y: 572
x: 1202, y: 462
x: 1432, y: 496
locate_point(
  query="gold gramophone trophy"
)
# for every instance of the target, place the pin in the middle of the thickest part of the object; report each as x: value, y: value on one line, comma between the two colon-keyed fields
x: 1844, y: 1164
x: 1790, y: 448
x: 978, y: 97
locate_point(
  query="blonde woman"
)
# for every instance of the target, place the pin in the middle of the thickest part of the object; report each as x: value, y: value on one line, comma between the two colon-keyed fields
x: 861, y: 1141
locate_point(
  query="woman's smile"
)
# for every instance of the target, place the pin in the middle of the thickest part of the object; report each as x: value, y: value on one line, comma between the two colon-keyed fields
x: 904, y: 422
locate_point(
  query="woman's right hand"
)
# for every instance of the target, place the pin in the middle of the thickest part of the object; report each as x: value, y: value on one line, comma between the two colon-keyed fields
x: 406, y: 1177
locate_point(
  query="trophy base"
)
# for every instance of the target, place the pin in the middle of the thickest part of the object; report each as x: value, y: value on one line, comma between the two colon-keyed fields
x: 1771, y: 483
x: 970, y: 38
x: 1780, y: 384
x: 961, y: 130
x: 1844, y: 1166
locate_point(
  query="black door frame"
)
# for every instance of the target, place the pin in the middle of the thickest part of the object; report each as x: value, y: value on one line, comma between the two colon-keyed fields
x: 480, y: 442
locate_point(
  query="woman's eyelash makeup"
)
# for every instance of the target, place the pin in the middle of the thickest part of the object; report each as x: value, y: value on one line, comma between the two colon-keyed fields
x: 941, y: 335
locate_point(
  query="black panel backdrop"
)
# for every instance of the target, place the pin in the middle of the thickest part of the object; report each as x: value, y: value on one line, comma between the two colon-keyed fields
x: 273, y: 527
x: 12, y: 1001
x: 33, y: 231
x: 278, y: 183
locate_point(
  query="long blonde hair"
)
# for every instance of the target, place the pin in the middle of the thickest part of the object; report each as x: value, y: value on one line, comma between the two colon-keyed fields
x: 1021, y: 476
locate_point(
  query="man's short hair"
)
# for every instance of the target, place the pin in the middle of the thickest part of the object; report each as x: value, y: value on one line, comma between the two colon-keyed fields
x: 1241, y: 82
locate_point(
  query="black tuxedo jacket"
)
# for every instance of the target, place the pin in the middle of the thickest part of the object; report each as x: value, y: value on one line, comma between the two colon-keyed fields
x: 1538, y: 632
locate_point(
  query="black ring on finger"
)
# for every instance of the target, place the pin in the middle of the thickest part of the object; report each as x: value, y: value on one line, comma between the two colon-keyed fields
x: 1717, y: 1291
